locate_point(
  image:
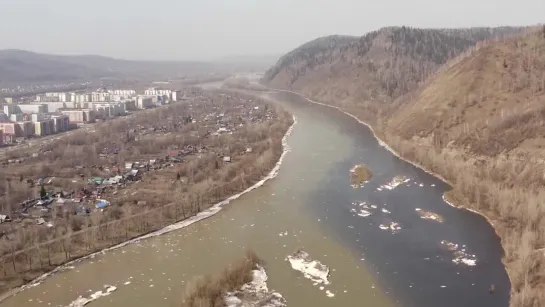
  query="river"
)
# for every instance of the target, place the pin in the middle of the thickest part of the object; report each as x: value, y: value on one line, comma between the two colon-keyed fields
x: 310, y: 205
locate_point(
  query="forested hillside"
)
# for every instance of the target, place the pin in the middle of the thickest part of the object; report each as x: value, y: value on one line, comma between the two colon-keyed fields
x: 375, y: 68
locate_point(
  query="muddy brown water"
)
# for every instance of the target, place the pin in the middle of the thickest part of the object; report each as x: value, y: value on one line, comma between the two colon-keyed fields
x: 310, y: 199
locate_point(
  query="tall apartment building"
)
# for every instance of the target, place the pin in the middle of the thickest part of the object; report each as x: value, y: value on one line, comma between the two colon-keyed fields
x: 176, y: 95
x: 80, y: 115
x: 153, y: 91
x: 32, y: 108
x: 60, y: 123
x: 53, y: 107
x: 78, y: 97
x: 143, y: 102
x: 126, y: 93
x: 17, y: 129
x: 11, y: 109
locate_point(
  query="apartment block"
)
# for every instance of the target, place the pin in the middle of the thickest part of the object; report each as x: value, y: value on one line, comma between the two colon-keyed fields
x: 143, y: 102
x: 80, y: 115
x: 16, y: 117
x: 11, y: 109
x: 55, y: 106
x: 44, y: 127
x: 32, y: 108
x: 24, y: 129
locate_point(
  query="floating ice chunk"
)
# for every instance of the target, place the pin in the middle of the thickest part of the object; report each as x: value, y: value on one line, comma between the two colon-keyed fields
x: 393, y: 227
x: 394, y: 183
x: 364, y: 213
x: 311, y: 269
x: 385, y: 211
x: 460, y: 255
x: 430, y: 216
x: 329, y: 293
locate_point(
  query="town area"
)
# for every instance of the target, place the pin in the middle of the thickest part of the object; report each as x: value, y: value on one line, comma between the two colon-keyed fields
x: 93, y: 188
x: 50, y: 113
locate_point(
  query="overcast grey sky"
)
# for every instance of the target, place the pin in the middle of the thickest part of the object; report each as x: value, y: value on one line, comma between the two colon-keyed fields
x: 206, y: 29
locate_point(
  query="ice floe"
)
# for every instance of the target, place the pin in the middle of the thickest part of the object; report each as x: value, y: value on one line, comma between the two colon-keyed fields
x: 313, y: 270
x: 361, y: 209
x: 392, y: 226
x: 429, y: 215
x: 255, y: 293
x: 82, y: 301
x: 394, y: 183
x: 461, y: 256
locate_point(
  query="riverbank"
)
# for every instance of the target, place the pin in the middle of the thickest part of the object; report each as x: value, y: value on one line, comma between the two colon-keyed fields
x: 384, y: 144
x: 272, y: 170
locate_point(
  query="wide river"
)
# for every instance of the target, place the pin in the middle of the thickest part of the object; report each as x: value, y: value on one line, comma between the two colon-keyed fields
x: 310, y: 205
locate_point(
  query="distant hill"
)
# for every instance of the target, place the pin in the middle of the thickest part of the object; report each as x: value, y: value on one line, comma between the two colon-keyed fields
x: 249, y: 63
x: 377, y: 67
x: 17, y: 66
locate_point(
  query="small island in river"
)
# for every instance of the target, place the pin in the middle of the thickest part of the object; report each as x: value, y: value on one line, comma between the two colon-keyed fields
x: 359, y: 175
x: 243, y: 284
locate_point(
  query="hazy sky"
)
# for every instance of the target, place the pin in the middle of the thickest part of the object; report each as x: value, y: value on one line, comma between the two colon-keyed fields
x: 206, y: 29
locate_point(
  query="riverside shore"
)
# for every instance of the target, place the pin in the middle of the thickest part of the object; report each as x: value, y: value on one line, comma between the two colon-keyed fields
x: 211, y: 211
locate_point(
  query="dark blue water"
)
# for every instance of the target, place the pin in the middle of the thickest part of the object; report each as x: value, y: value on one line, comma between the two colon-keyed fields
x: 411, y: 264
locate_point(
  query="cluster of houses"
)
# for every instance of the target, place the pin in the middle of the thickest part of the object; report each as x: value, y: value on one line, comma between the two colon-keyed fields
x: 93, y: 197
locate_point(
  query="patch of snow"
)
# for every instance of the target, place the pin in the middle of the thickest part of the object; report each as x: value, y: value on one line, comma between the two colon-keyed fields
x: 255, y: 293
x: 329, y: 293
x: 386, y: 211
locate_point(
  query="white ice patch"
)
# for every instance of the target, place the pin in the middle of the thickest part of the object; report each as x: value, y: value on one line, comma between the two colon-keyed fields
x: 360, y: 209
x: 312, y: 269
x: 393, y: 227
x: 364, y: 213
x: 461, y: 256
x: 426, y: 215
x: 255, y: 293
x: 394, y: 183
x: 82, y: 301
x: 385, y: 211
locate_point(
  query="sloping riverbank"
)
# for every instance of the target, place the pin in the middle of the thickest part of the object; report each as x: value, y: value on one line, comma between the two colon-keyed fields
x: 179, y: 225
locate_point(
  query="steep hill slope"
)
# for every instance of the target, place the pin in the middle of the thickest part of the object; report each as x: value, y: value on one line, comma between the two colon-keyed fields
x: 374, y: 68
x: 481, y: 125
